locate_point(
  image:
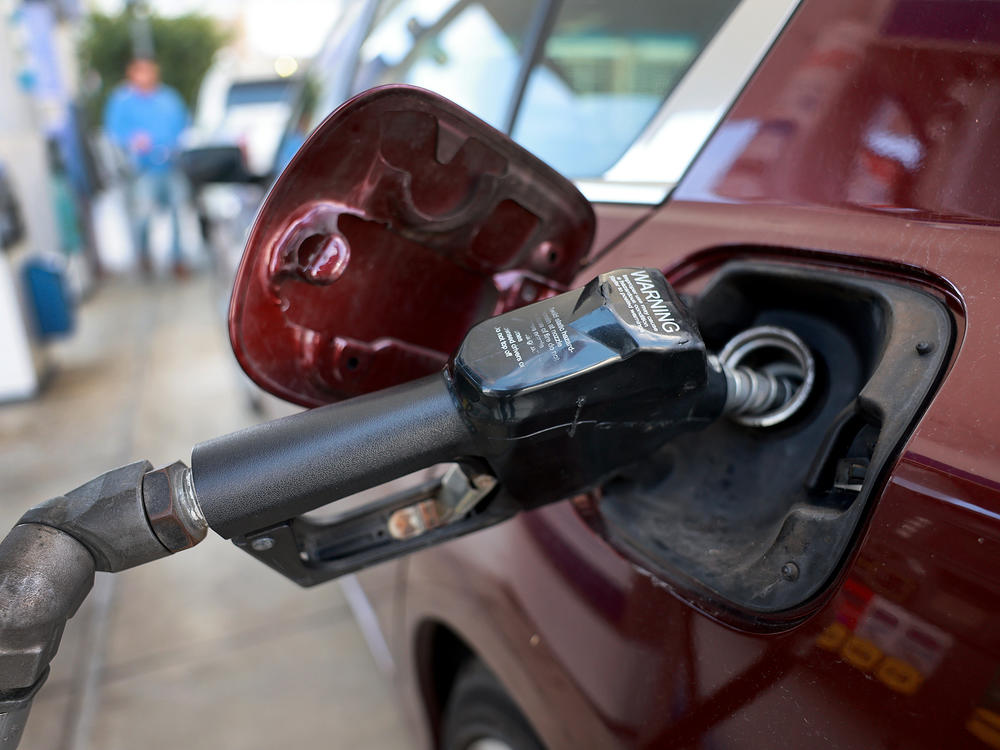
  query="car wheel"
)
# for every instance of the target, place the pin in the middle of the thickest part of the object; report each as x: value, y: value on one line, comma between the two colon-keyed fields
x: 480, y: 715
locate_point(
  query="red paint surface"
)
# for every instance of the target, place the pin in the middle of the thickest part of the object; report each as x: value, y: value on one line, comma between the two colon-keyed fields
x: 401, y: 222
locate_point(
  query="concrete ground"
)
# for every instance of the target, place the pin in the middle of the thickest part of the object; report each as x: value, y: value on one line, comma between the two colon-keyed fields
x: 209, y: 648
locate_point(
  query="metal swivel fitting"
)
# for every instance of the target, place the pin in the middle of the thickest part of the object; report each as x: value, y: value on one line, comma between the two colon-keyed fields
x: 769, y: 375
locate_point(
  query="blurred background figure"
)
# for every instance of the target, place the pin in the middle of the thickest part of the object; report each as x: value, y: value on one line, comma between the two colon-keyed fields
x: 145, y: 118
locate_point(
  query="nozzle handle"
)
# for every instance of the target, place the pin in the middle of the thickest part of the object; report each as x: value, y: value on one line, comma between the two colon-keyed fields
x: 271, y: 472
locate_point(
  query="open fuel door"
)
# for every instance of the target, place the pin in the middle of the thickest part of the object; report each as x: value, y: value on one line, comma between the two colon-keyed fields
x: 401, y: 222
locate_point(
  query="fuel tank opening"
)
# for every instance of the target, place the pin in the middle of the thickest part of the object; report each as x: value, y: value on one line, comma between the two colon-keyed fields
x: 720, y: 513
x: 769, y: 373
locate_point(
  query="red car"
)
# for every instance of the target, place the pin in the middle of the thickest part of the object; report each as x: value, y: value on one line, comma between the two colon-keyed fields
x: 831, y: 583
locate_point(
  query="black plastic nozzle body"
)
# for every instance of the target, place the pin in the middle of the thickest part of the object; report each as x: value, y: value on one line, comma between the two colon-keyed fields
x: 565, y: 392
x: 554, y: 397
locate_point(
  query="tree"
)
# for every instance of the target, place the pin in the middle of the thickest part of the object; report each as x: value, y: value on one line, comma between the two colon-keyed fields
x: 184, y: 47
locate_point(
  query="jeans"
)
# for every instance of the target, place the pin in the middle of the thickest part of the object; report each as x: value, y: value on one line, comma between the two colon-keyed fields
x: 150, y: 191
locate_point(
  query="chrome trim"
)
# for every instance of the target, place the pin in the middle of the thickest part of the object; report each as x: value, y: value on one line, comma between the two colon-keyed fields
x: 642, y: 193
x: 658, y: 158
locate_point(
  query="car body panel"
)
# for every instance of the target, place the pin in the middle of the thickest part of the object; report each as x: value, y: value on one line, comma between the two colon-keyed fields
x: 865, y: 138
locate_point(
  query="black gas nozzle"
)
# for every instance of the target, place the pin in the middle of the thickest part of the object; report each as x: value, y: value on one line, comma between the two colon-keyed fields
x: 553, y: 397
x: 562, y: 393
x: 550, y: 399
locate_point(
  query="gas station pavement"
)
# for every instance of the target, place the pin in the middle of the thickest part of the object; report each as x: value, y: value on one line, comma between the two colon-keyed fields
x: 208, y: 648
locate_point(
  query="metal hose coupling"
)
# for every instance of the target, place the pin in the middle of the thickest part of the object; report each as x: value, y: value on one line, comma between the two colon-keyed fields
x: 172, y: 507
x: 769, y: 373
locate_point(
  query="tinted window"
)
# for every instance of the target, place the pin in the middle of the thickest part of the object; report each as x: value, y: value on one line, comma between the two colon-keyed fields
x: 469, y: 52
x: 605, y: 71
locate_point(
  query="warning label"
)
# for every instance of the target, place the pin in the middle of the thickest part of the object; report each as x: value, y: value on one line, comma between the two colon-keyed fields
x: 642, y: 297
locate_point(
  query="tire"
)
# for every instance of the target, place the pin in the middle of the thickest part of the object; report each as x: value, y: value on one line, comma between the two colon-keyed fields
x: 480, y: 715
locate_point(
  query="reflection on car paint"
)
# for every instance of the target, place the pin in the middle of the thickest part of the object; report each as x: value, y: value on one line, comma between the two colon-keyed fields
x: 984, y: 723
x: 874, y: 635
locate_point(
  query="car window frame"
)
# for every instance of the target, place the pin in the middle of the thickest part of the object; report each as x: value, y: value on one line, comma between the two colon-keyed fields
x: 706, y: 91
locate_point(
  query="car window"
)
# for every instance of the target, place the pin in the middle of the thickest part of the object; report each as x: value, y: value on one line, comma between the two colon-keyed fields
x: 469, y: 52
x: 259, y: 92
x: 605, y: 70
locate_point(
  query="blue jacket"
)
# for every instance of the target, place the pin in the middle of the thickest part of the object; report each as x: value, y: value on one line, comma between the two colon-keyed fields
x: 160, y: 113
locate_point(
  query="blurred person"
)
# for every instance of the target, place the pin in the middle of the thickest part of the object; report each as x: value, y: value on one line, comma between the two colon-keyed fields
x: 145, y: 118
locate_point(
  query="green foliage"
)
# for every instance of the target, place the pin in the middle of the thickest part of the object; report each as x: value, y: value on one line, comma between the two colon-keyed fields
x: 184, y: 47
